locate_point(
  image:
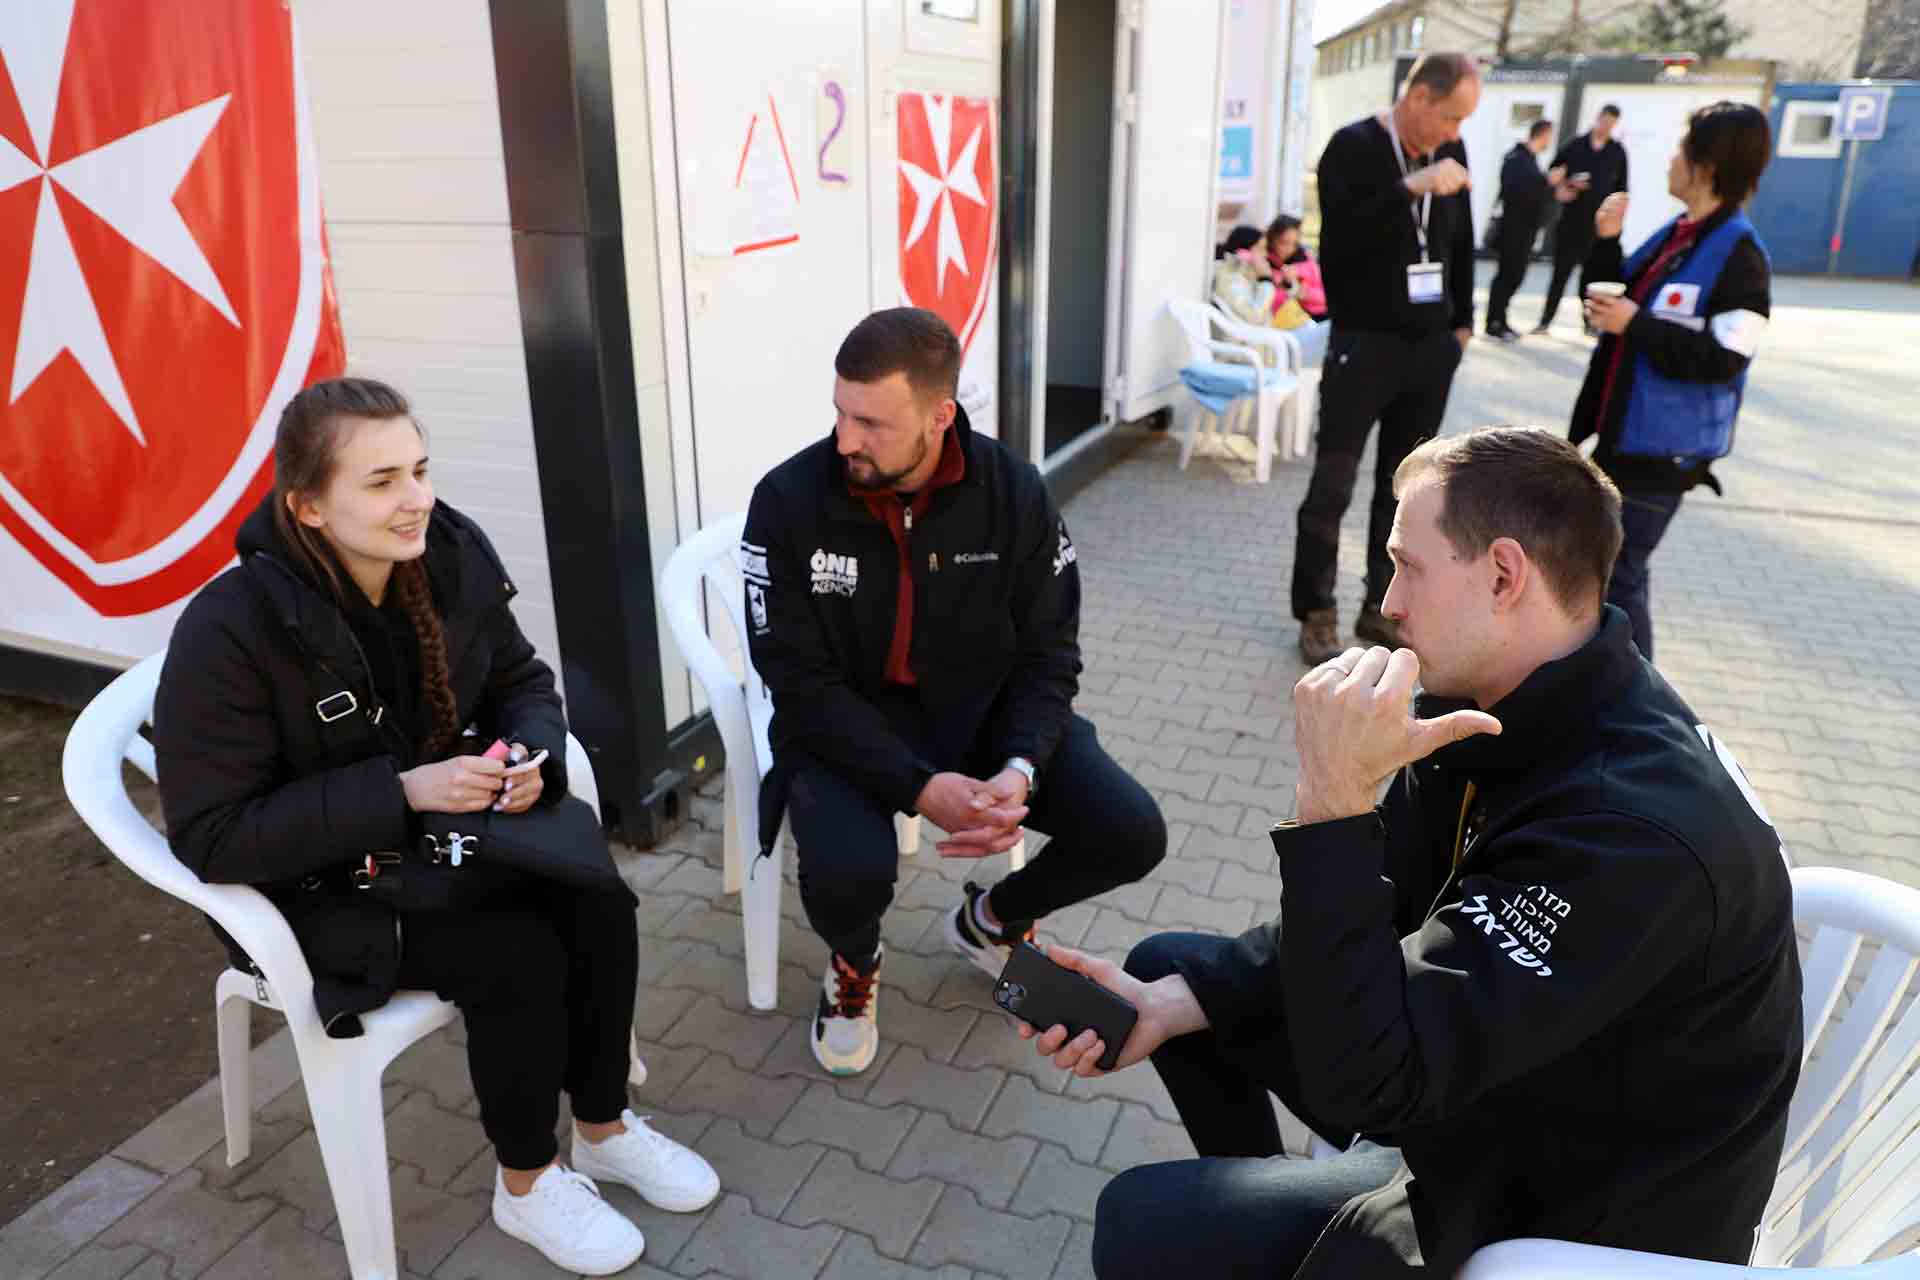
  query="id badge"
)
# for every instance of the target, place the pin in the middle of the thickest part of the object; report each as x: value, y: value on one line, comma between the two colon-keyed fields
x: 1425, y: 282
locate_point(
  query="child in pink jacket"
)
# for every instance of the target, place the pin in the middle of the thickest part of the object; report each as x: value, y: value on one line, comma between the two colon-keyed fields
x: 1295, y: 273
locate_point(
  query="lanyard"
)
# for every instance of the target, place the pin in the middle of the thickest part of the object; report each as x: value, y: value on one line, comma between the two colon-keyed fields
x: 1460, y: 833
x: 1426, y: 200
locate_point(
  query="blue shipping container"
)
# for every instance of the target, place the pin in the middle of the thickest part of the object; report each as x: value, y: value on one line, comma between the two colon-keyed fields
x: 1798, y: 205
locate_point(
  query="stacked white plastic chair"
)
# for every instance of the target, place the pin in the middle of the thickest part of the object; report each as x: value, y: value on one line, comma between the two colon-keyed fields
x: 1295, y: 439
x: 1270, y: 386
x: 742, y: 710
x: 1849, y: 1182
x: 342, y: 1077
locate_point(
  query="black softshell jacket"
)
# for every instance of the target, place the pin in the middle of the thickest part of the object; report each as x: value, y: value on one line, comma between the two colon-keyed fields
x: 1590, y: 1030
x: 996, y: 621
x: 257, y: 790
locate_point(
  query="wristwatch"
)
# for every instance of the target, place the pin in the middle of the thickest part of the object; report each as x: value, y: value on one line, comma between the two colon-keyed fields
x: 1024, y: 767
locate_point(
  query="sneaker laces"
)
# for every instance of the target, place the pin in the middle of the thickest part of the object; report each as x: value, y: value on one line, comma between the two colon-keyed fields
x: 853, y: 990
x: 651, y: 1136
x: 563, y: 1195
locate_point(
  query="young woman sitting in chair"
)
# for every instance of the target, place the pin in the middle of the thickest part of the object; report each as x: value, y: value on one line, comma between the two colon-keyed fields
x: 310, y: 720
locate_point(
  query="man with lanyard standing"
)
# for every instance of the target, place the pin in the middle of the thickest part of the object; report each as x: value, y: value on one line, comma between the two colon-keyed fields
x: 1523, y: 198
x: 1396, y: 254
x: 1594, y: 166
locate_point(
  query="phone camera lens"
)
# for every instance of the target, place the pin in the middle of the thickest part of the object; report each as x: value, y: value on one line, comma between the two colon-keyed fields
x: 1010, y: 996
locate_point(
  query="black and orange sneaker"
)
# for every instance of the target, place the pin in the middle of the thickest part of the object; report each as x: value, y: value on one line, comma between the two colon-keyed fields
x: 846, y: 1025
x: 985, y: 948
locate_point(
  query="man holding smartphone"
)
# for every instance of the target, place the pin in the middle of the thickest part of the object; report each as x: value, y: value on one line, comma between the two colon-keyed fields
x: 1553, y: 971
x: 914, y: 607
x: 1594, y: 165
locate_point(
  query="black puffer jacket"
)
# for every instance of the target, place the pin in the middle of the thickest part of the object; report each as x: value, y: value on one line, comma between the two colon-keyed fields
x: 258, y: 790
x: 1588, y: 1029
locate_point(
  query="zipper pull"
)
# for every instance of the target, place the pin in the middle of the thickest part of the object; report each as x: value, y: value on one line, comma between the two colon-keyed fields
x: 908, y: 513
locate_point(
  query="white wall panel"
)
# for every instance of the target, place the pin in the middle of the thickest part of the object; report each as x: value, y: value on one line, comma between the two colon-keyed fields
x: 413, y: 183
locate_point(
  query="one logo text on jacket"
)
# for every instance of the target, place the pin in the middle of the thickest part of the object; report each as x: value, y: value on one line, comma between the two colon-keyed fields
x: 834, y: 575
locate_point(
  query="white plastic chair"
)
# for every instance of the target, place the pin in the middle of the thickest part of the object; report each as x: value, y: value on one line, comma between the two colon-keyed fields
x: 742, y: 711
x: 1273, y: 386
x: 1289, y: 354
x: 342, y: 1077
x: 1849, y: 1181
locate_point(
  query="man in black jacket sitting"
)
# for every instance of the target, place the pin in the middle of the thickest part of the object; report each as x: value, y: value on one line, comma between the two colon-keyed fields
x: 1555, y: 967
x: 914, y: 608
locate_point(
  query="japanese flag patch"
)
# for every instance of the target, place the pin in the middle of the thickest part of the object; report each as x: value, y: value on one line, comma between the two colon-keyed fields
x: 1677, y: 300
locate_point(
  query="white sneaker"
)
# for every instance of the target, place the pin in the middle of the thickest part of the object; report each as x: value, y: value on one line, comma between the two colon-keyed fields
x: 986, y: 951
x: 565, y: 1219
x: 846, y: 1026
x: 667, y: 1175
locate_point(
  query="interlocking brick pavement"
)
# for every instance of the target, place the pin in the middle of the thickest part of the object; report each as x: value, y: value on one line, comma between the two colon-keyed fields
x: 1788, y: 613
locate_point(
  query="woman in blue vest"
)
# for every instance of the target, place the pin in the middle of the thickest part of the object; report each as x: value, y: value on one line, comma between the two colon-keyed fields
x: 1666, y: 379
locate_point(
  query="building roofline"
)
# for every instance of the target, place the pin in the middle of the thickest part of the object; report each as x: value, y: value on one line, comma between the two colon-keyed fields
x: 1373, y: 15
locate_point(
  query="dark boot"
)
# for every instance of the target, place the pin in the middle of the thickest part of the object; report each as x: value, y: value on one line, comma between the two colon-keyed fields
x: 1320, y: 637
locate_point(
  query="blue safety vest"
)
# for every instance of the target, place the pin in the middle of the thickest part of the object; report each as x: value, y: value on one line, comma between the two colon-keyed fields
x: 1689, y: 422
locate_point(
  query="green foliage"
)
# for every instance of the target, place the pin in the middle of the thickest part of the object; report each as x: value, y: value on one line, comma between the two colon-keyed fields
x: 1698, y: 26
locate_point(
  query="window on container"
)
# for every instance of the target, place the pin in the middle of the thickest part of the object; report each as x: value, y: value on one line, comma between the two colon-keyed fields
x: 1808, y: 131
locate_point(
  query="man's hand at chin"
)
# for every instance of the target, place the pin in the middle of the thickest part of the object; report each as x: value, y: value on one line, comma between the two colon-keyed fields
x: 1354, y: 726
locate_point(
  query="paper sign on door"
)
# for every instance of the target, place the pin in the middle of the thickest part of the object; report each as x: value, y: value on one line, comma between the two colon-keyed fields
x: 766, y: 202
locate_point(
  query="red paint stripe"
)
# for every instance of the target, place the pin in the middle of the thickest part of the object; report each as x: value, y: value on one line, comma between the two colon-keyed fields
x: 766, y: 244
x: 781, y: 134
x: 746, y: 147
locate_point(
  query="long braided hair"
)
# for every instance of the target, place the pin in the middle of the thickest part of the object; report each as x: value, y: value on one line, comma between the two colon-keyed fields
x: 305, y: 448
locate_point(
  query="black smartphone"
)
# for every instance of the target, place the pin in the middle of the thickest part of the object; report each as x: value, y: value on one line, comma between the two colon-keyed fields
x: 1043, y: 995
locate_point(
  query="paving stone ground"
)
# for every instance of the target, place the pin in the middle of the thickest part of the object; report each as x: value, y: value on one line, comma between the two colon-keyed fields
x: 1789, y: 614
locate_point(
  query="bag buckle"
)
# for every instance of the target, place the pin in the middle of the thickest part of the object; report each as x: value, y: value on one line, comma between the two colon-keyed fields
x: 454, y: 849
x: 365, y: 874
x: 321, y: 708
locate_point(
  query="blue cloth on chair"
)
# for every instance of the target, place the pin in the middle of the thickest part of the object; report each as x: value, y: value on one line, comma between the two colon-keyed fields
x: 1216, y: 384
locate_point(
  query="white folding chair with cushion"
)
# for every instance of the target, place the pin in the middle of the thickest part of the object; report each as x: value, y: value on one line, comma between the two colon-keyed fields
x: 1226, y: 378
x: 742, y: 710
x: 342, y: 1077
x: 1849, y: 1182
x: 1299, y: 352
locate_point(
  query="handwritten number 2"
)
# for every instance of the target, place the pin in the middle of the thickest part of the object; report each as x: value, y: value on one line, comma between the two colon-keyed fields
x: 832, y: 90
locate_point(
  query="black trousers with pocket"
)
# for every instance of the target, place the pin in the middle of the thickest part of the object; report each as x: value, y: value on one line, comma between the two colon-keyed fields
x: 1644, y: 517
x: 1572, y: 242
x: 1106, y: 831
x: 1400, y: 382
x: 1242, y: 1209
x: 1517, y: 230
x: 546, y: 982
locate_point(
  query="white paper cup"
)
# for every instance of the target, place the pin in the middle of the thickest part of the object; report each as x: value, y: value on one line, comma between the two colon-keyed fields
x: 1606, y: 289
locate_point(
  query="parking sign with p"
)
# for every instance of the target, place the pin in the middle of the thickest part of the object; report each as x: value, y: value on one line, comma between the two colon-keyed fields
x: 1863, y: 114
